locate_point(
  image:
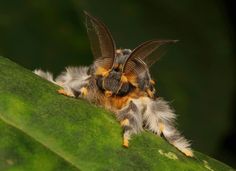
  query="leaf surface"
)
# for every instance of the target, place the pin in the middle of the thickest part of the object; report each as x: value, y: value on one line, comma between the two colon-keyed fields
x: 42, y: 130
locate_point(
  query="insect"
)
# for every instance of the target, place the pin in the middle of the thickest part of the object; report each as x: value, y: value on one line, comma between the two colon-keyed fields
x: 120, y: 81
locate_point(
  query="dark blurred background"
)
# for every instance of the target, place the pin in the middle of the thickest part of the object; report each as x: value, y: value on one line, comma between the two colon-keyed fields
x: 197, y: 75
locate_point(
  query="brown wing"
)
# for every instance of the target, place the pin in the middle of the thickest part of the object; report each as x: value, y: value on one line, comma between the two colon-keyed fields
x: 101, y: 41
x: 147, y: 53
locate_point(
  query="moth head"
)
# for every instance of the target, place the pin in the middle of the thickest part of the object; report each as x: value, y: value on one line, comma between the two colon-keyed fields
x: 117, y: 71
x: 114, y: 83
x: 108, y: 64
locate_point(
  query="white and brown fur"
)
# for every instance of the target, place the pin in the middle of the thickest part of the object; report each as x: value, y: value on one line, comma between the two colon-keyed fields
x: 136, y: 104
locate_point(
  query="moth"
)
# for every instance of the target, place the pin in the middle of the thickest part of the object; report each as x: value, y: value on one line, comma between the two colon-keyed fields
x: 120, y: 81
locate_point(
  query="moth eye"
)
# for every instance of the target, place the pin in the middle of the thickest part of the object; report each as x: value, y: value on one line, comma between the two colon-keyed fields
x: 125, y: 89
x: 116, y: 69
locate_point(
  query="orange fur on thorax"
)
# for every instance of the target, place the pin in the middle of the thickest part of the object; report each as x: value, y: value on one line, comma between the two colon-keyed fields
x: 116, y: 102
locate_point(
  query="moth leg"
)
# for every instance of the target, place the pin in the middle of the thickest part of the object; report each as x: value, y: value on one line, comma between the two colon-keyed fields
x: 131, y: 121
x: 124, y: 122
x: 81, y: 92
x: 65, y: 93
x: 174, y: 137
x: 160, y: 119
x: 126, y: 135
x: 84, y: 91
x: 161, y: 127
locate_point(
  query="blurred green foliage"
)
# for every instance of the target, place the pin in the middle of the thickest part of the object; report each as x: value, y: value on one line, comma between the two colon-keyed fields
x: 196, y: 75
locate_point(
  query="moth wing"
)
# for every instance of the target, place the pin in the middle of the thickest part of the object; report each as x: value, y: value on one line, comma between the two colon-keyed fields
x: 101, y: 41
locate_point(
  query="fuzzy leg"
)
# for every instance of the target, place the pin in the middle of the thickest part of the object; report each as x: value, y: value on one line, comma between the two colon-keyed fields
x: 83, y: 91
x: 131, y: 121
x: 126, y: 136
x: 73, y: 80
x: 45, y: 74
x: 160, y: 119
x: 65, y: 93
x: 74, y: 93
x: 173, y: 136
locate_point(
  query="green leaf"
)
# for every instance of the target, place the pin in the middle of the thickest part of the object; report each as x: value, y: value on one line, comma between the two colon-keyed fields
x: 42, y: 130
